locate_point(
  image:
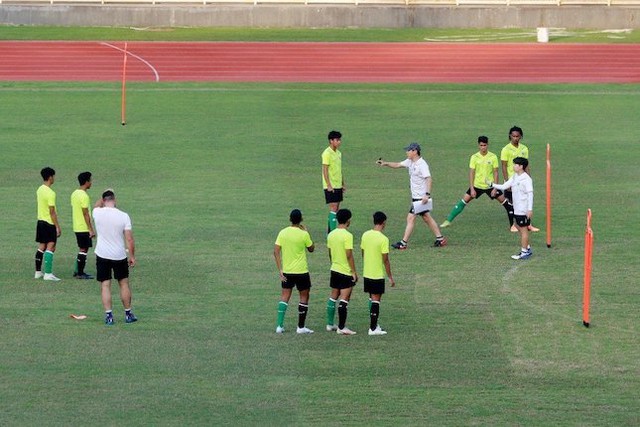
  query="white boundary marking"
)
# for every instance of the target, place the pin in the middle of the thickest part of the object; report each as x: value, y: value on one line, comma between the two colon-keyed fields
x: 144, y: 61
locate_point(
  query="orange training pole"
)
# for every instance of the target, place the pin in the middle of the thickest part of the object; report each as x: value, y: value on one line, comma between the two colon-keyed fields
x: 548, y: 196
x: 124, y: 87
x: 588, y: 251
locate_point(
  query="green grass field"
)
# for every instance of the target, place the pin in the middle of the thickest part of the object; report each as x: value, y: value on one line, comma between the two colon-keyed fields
x: 209, y: 172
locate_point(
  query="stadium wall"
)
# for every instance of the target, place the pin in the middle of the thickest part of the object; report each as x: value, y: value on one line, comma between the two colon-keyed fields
x: 358, y: 16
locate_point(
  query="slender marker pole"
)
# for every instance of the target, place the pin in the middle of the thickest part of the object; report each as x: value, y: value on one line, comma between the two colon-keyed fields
x: 124, y: 87
x: 588, y: 252
x: 548, y: 196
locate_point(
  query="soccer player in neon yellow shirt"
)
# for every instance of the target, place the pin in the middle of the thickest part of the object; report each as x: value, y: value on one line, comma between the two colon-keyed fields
x: 82, y: 226
x: 483, y: 168
x: 375, y: 258
x: 343, y: 272
x: 48, y: 228
x: 332, y: 179
x: 291, y: 260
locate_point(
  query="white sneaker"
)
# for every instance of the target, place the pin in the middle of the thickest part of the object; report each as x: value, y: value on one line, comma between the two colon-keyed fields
x: 377, y: 331
x: 304, y: 330
x: 279, y: 330
x: 51, y: 277
x: 345, y: 331
x: 332, y: 328
x: 38, y: 275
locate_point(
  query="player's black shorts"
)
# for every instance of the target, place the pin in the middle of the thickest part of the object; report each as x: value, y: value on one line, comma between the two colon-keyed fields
x: 522, y: 220
x: 411, y: 208
x: 84, y: 240
x: 104, y: 267
x: 45, y: 232
x: 487, y: 191
x: 300, y: 281
x: 341, y: 281
x: 334, y: 196
x: 374, y: 286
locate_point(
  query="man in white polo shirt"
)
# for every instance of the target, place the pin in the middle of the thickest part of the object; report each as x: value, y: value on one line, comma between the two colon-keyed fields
x: 113, y: 228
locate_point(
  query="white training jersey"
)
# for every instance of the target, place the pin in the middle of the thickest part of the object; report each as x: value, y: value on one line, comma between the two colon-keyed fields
x: 418, y: 173
x: 522, y: 190
x: 110, y: 226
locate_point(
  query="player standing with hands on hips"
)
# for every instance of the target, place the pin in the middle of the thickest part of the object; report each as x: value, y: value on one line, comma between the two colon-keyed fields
x: 113, y: 228
x: 332, y: 179
x: 420, y: 182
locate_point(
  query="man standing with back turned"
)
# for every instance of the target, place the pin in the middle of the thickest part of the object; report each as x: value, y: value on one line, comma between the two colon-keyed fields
x: 332, y: 179
x: 113, y: 228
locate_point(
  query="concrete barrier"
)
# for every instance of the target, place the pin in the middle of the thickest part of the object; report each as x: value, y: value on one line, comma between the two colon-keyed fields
x: 358, y: 16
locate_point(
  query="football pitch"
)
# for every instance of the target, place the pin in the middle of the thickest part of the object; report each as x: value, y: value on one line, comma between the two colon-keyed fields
x: 209, y: 172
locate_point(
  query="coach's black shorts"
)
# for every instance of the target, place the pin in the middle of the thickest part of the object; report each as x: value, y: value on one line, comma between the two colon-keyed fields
x: 300, y: 281
x: 104, y: 267
x: 45, y: 232
x: 487, y: 191
x: 341, y: 281
x: 374, y: 286
x: 84, y: 240
x: 334, y: 196
x: 522, y: 220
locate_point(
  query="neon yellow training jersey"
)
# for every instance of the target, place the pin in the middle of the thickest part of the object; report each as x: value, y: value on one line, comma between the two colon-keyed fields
x: 79, y: 200
x: 374, y: 244
x: 293, y: 242
x: 509, y: 152
x: 46, y: 197
x: 484, y: 167
x: 339, y: 241
x: 333, y: 159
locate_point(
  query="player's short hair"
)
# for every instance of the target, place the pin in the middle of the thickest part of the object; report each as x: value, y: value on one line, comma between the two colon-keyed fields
x: 108, y: 195
x: 343, y: 215
x: 47, y: 173
x: 84, y: 177
x: 516, y: 129
x: 295, y: 217
x: 483, y: 139
x: 334, y: 134
x: 521, y: 161
x: 379, y: 218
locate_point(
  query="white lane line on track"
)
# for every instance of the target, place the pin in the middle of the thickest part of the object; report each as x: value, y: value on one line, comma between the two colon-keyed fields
x: 139, y: 58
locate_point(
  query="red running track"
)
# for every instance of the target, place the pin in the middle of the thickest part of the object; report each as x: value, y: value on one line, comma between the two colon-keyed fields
x: 321, y: 62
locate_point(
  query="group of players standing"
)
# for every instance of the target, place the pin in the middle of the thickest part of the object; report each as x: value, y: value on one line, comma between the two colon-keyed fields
x: 515, y: 195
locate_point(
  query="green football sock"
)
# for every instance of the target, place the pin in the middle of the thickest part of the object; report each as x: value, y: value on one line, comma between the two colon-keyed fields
x: 48, y: 262
x: 331, y: 311
x: 459, y: 207
x: 282, y: 310
x: 332, y: 222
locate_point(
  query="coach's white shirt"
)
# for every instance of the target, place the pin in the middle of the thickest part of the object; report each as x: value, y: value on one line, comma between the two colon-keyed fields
x: 418, y: 173
x: 110, y: 226
x: 522, y: 190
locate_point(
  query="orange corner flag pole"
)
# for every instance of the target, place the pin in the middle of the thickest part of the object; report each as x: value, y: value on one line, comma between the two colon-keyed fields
x: 548, y: 196
x: 124, y: 87
x: 588, y: 252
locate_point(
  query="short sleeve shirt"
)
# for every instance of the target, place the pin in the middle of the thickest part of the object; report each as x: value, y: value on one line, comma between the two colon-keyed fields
x: 293, y: 242
x: 339, y: 241
x: 374, y: 244
x: 484, y: 167
x: 46, y: 197
x: 418, y: 173
x: 79, y: 200
x: 333, y: 159
x: 509, y: 152
x: 111, y: 224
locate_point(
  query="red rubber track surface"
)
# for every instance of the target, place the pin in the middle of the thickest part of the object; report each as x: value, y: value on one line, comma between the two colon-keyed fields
x: 321, y: 62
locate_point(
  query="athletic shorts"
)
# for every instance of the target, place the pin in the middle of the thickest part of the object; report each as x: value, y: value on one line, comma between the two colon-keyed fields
x: 300, y: 281
x: 374, y: 286
x: 334, y: 196
x: 521, y: 220
x: 46, y: 233
x: 104, y: 267
x: 341, y: 281
x: 411, y: 208
x: 83, y: 239
x: 487, y: 191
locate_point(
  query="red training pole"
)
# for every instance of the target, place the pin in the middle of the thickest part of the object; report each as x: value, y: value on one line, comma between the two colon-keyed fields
x: 124, y: 87
x: 548, y: 196
x: 588, y: 252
